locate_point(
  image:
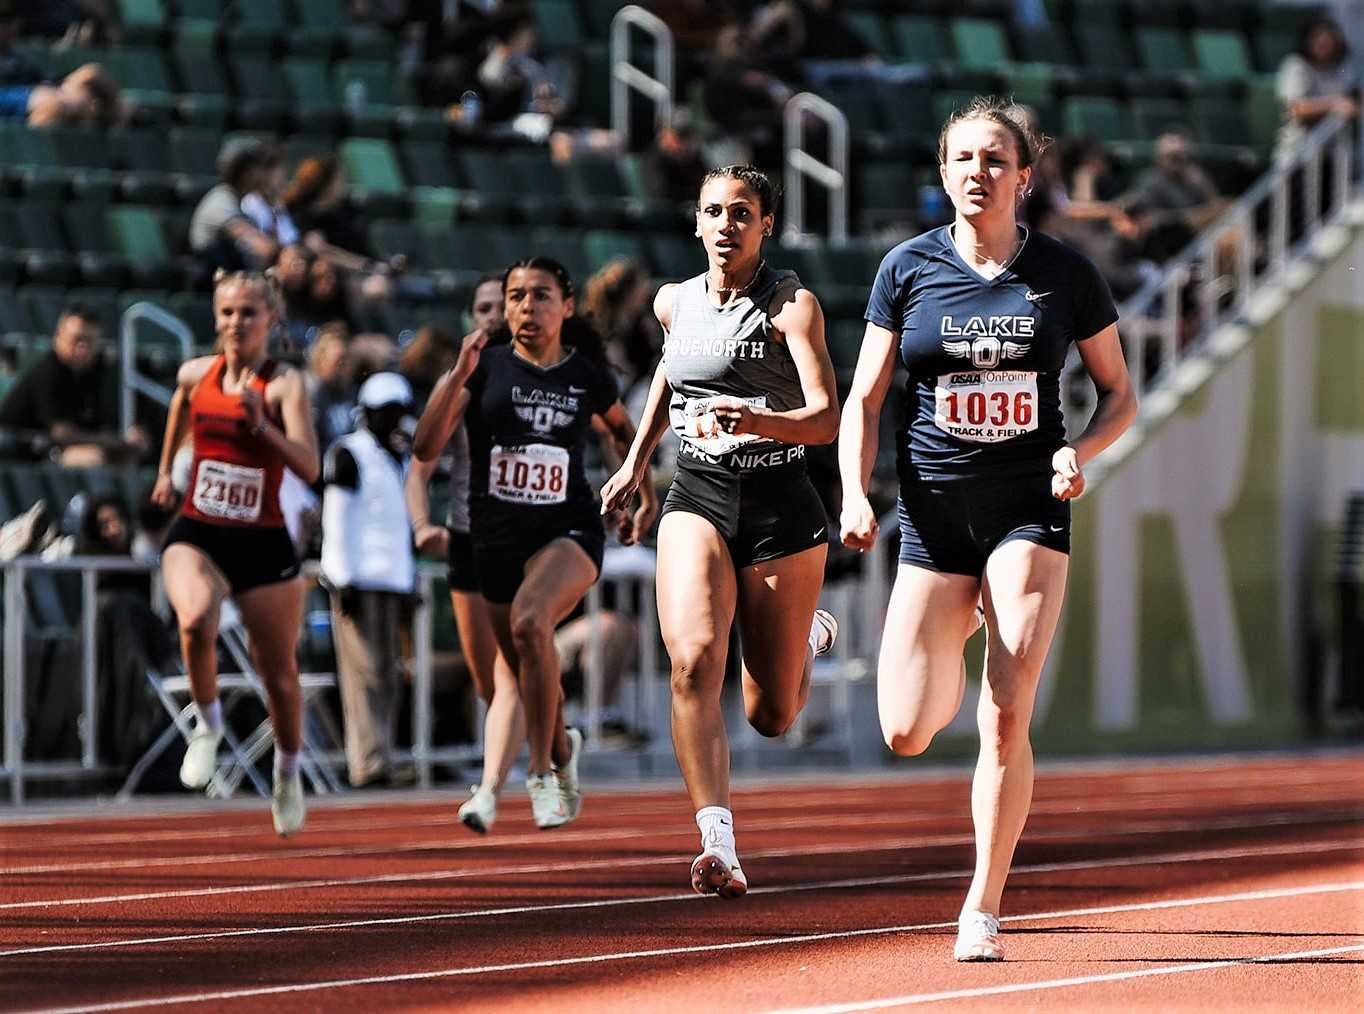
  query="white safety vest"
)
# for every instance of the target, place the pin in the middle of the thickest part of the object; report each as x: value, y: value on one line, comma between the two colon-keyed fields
x: 366, y: 532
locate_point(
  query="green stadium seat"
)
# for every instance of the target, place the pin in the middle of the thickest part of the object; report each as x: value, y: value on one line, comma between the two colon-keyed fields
x: 1103, y: 46
x: 102, y: 264
x: 1093, y: 12
x: 1044, y: 44
x: 1272, y: 45
x: 1030, y: 83
x: 437, y: 207
x: 373, y: 76
x: 142, y: 20
x: 195, y: 55
x: 674, y: 256
x: 43, y: 304
x: 365, y: 42
x: 1264, y: 112
x: 194, y: 151
x: 557, y: 23
x: 43, y: 247
x: 472, y: 249
x: 917, y: 39
x: 137, y: 234
x: 871, y: 29
x: 199, y: 10
x: 264, y: 98
x: 320, y: 13
x: 1165, y: 50
x: 1105, y: 118
x: 1152, y: 117
x: 1220, y: 120
x: 566, y: 246
x: 140, y: 68
x: 604, y: 245
x: 1222, y: 55
x: 980, y: 44
x: 372, y: 164
x: 320, y: 29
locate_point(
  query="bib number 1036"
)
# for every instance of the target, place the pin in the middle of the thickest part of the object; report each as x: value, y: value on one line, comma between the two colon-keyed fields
x: 533, y: 474
x: 986, y: 407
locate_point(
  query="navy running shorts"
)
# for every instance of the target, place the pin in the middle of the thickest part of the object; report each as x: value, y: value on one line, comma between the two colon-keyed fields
x: 954, y: 526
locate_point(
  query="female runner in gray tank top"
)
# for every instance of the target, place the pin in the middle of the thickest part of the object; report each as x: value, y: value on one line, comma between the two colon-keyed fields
x: 746, y: 383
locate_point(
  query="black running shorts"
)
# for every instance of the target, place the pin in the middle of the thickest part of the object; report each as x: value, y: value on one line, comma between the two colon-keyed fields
x: 501, y: 565
x: 461, y: 572
x: 763, y: 514
x: 248, y: 557
x: 954, y: 526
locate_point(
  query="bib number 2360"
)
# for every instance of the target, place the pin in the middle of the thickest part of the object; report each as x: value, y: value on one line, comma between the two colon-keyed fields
x: 532, y: 474
x: 230, y: 492
x: 986, y: 406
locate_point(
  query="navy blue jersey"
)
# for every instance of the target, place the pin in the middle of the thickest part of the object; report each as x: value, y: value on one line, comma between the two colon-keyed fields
x: 527, y: 429
x: 985, y: 356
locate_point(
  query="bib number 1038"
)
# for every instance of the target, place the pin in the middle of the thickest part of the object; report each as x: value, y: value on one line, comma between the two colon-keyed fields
x: 533, y: 474
x: 986, y: 407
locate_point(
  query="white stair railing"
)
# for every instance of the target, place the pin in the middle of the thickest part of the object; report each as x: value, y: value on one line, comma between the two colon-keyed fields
x: 134, y: 381
x: 831, y: 175
x: 626, y: 77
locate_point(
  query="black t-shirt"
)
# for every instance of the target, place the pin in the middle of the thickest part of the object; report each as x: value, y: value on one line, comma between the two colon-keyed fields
x: 51, y: 392
x: 528, y: 426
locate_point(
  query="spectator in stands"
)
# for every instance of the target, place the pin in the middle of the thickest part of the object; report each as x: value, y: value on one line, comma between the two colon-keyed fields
x: 368, y: 564
x: 1176, y: 196
x: 455, y: 34
x: 826, y: 35
x: 66, y: 404
x: 331, y: 384
x: 315, y: 201
x: 426, y: 357
x: 73, y: 22
x: 742, y: 95
x: 619, y: 300
x: 15, y: 69
x: 509, y: 74
x: 328, y: 300
x: 292, y: 268
x: 263, y: 204
x: 85, y: 97
x: 695, y: 24
x: 1316, y: 81
x: 221, y: 235
x: 675, y: 165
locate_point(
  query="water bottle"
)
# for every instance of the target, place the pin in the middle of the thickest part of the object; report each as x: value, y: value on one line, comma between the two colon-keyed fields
x: 357, y: 95
x: 470, y: 109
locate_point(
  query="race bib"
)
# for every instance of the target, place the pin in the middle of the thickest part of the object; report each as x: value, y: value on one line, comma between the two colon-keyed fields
x: 702, y: 429
x: 986, y: 406
x: 230, y: 492
x: 531, y: 474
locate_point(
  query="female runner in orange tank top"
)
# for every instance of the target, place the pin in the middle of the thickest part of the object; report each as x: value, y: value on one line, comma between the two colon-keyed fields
x: 250, y: 419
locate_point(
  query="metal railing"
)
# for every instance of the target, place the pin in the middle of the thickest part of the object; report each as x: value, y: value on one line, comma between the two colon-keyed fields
x: 135, y: 381
x: 626, y: 77
x: 1212, y: 281
x: 831, y: 175
x: 620, y: 567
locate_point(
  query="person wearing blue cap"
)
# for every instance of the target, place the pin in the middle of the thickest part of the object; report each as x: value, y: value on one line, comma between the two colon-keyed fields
x: 367, y: 563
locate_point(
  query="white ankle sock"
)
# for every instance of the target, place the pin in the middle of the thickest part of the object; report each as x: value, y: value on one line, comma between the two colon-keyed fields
x: 286, y: 763
x: 211, y: 715
x: 716, y: 824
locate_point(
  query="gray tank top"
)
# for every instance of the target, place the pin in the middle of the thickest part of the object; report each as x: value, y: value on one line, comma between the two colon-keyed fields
x: 727, y: 351
x: 457, y: 513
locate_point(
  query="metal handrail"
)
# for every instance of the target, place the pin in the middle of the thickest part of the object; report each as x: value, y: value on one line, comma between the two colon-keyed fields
x: 1199, y: 258
x: 625, y: 76
x: 134, y: 381
x: 832, y: 175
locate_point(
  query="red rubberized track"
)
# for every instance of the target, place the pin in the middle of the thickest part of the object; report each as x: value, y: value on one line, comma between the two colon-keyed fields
x: 1196, y: 885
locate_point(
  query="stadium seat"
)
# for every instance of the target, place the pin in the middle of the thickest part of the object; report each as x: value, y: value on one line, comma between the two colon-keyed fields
x: 871, y: 29
x: 918, y: 39
x: 675, y: 256
x: 979, y: 44
x: 1105, y: 118
x: 372, y: 80
x: 1222, y: 55
x: 258, y: 24
x: 605, y: 245
x: 376, y: 177
x: 195, y: 55
x: 1264, y: 111
x: 1103, y: 46
x: 1165, y: 50
x: 44, y: 252
x: 1151, y: 117
x: 101, y: 262
x: 429, y: 163
x: 557, y: 23
x: 142, y: 20
x: 1219, y: 120
x: 567, y: 247
x: 264, y: 97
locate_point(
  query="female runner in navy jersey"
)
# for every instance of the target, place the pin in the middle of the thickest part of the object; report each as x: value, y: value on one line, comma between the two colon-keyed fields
x: 746, y: 383
x: 529, y: 405
x: 982, y: 314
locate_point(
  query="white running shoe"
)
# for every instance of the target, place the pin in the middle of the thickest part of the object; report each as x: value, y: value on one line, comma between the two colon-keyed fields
x: 546, y: 801
x: 479, y: 811
x: 201, y: 757
x: 569, y: 788
x: 717, y: 871
x: 978, y: 938
x: 825, y: 629
x: 286, y: 804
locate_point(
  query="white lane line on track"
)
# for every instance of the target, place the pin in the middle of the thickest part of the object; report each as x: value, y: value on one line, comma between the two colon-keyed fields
x: 591, y: 959
x: 283, y: 852
x: 916, y: 842
x: 1169, y: 858
x: 1079, y: 980
x: 1057, y: 797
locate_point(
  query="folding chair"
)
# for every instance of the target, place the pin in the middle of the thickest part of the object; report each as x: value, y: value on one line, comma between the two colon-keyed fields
x: 240, y: 760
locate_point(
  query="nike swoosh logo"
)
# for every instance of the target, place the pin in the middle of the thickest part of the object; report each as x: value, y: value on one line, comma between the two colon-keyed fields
x: 576, y: 390
x: 1033, y: 297
x: 1057, y: 528
x: 820, y: 532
